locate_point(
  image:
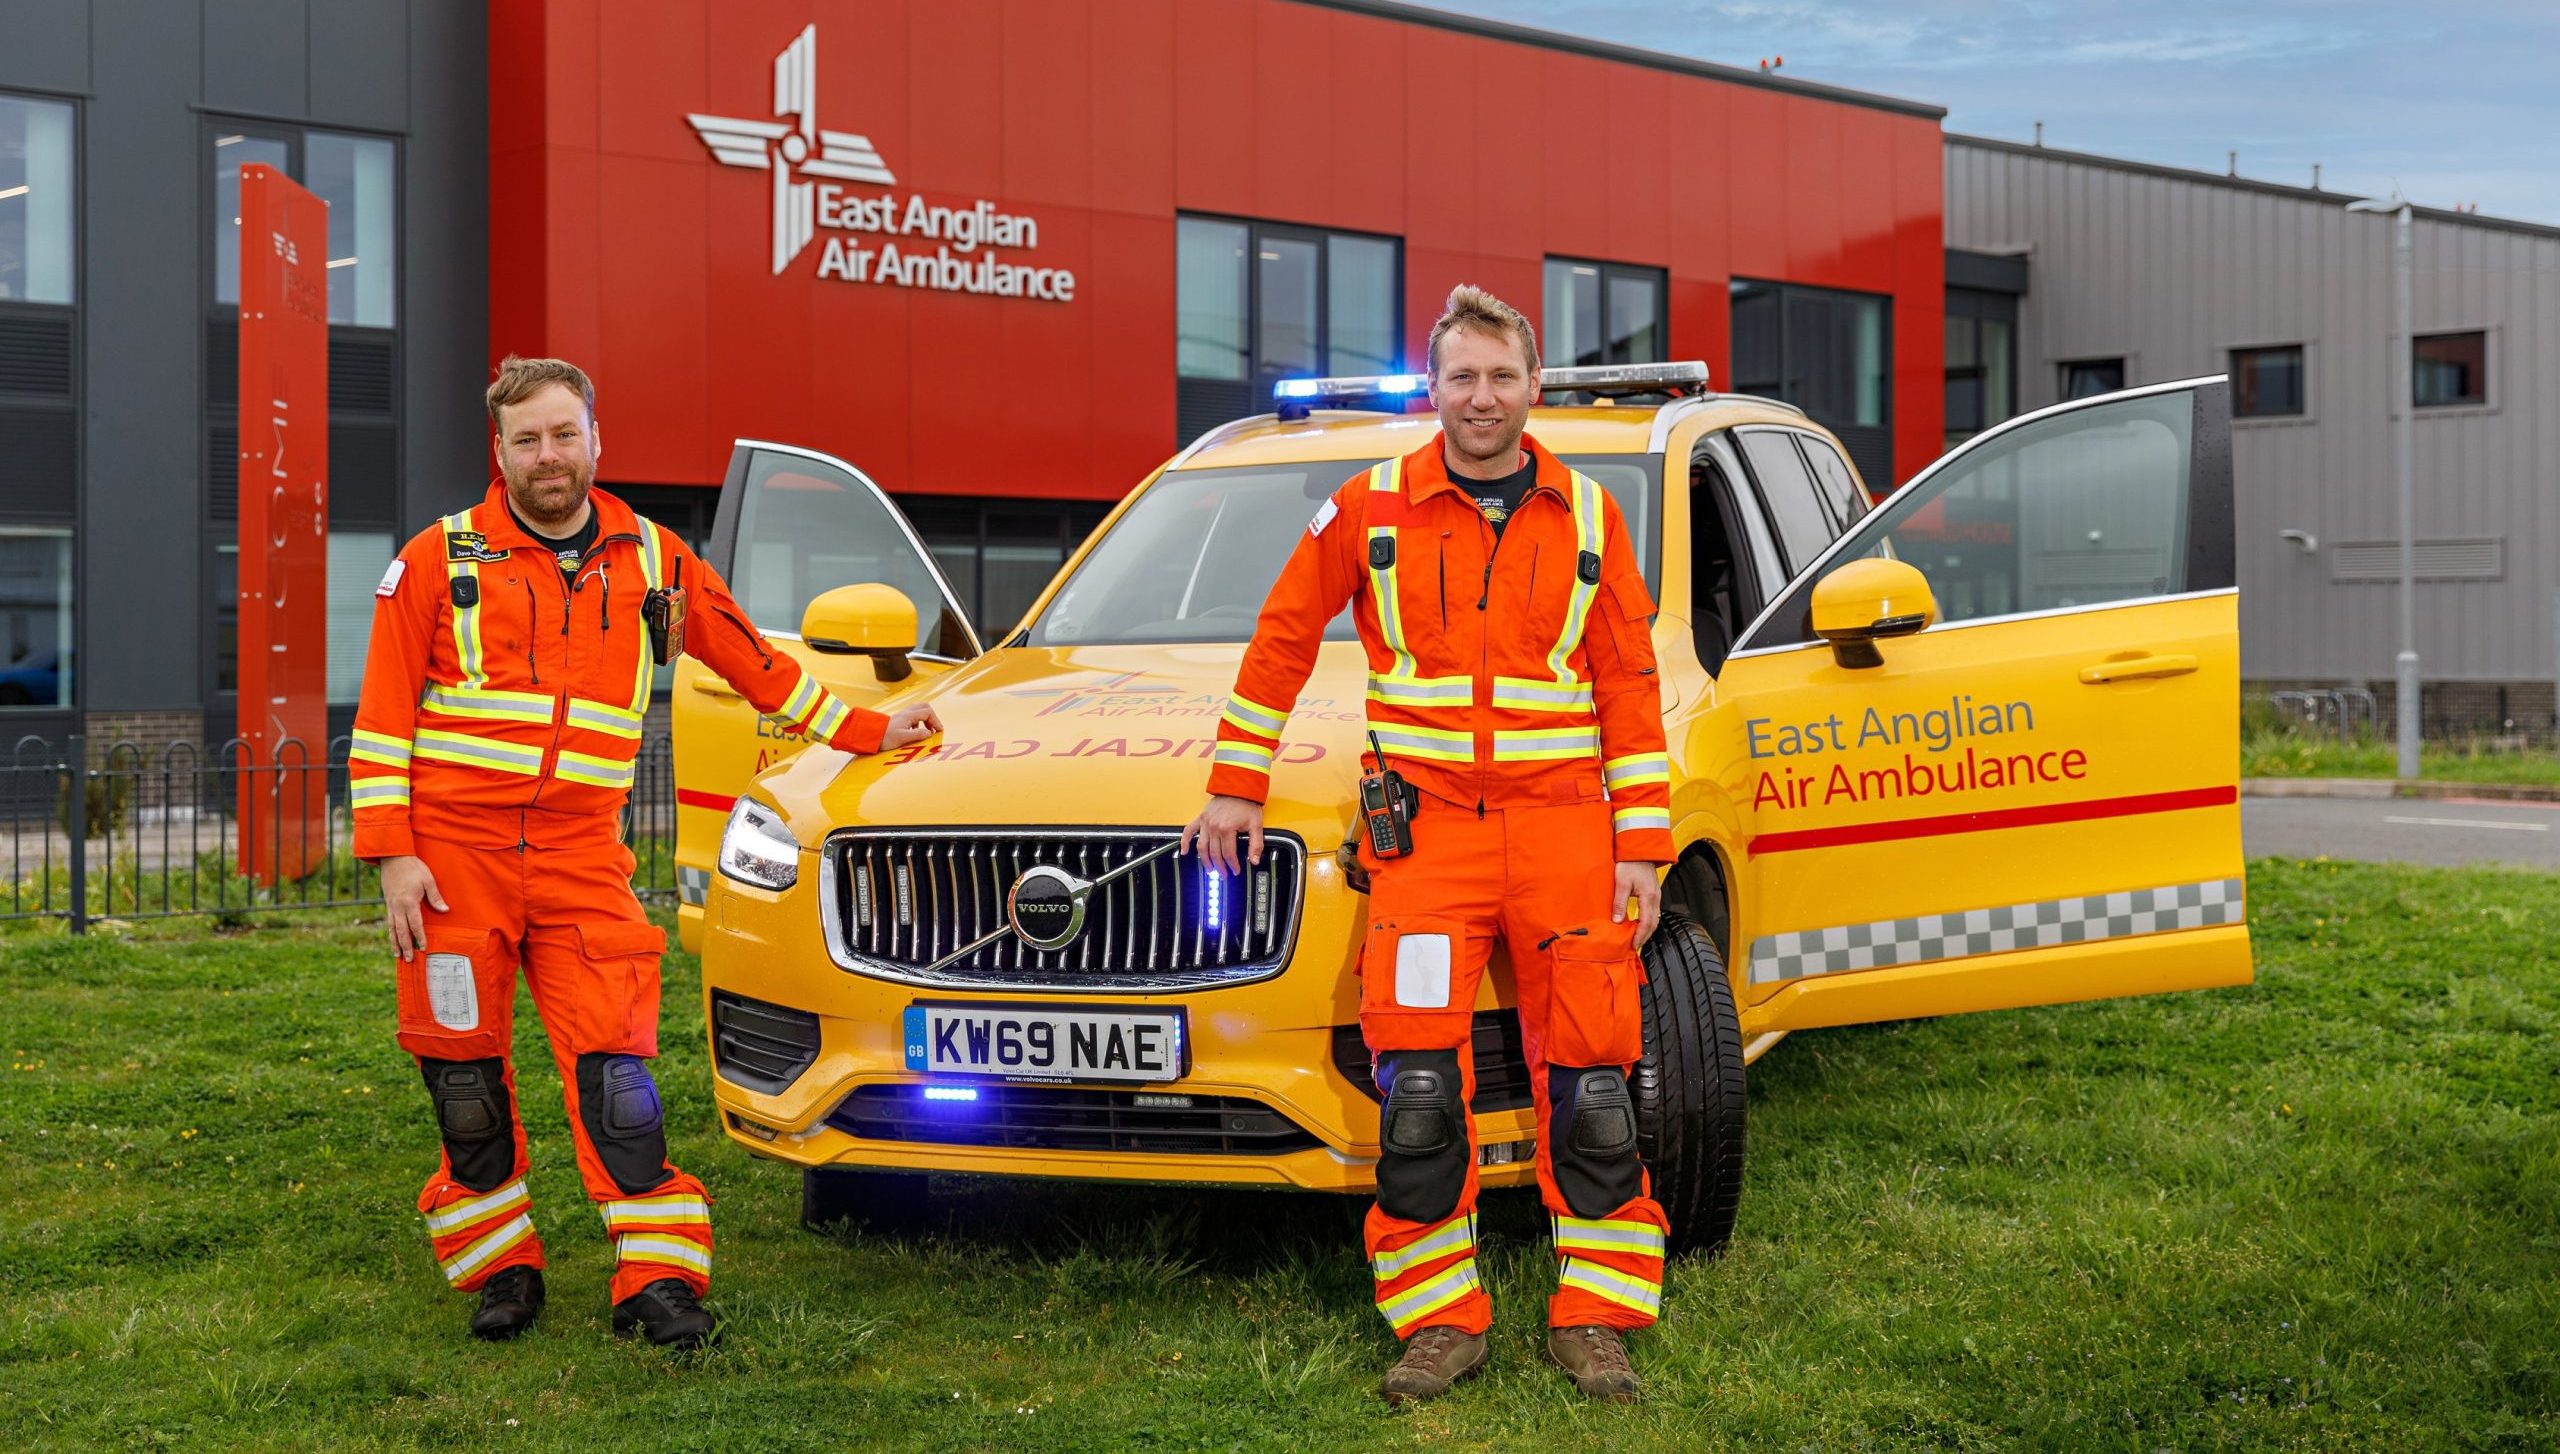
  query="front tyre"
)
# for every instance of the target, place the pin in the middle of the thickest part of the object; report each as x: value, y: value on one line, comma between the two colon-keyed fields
x: 1688, y: 1087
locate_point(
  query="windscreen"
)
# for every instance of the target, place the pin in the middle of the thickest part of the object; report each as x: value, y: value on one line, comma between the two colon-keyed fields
x: 1193, y: 559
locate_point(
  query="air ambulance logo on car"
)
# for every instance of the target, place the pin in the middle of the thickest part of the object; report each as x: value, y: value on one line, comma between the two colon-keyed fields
x: 792, y: 146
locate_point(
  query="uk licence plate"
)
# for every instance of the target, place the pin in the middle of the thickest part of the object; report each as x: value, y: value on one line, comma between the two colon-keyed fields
x: 1044, y: 1043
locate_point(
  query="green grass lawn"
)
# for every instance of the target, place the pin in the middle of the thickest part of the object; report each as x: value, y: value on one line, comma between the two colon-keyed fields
x: 2291, y: 754
x: 2322, y: 1213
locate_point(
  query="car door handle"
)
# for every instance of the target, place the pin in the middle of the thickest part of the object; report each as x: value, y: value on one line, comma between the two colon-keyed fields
x: 2133, y: 668
x: 714, y: 687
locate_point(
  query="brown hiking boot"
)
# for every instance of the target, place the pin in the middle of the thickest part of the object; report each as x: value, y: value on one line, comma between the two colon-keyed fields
x: 1597, y: 1359
x: 1434, y: 1358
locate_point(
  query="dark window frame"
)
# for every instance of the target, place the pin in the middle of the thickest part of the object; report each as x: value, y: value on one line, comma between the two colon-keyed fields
x: 1969, y: 309
x: 1609, y: 274
x: 1256, y: 229
x: 2064, y: 370
x: 2244, y: 394
x: 220, y: 619
x: 2482, y: 397
x: 1869, y: 446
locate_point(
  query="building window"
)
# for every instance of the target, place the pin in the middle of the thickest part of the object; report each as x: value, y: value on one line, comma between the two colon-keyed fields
x: 1605, y: 313
x: 1257, y: 302
x: 2449, y: 368
x: 35, y: 200
x: 35, y: 618
x: 356, y: 176
x: 1826, y: 352
x: 357, y: 561
x: 2083, y: 378
x: 353, y: 175
x: 1982, y: 376
x: 2266, y: 383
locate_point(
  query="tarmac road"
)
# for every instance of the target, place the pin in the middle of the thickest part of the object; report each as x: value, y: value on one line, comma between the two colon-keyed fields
x: 2445, y: 831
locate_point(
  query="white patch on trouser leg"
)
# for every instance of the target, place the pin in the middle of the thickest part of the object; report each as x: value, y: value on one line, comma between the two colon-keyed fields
x: 1422, y: 971
x: 453, y: 996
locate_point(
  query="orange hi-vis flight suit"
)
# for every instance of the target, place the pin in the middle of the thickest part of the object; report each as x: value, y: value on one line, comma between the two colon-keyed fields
x: 1511, y: 679
x: 494, y: 740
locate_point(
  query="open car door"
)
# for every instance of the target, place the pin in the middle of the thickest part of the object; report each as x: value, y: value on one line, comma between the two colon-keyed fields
x: 2035, y: 797
x: 792, y: 524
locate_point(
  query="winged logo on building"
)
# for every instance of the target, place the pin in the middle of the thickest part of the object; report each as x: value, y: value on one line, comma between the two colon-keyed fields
x: 793, y: 146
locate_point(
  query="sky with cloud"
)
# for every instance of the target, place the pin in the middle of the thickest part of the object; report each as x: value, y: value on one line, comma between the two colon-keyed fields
x: 2456, y: 101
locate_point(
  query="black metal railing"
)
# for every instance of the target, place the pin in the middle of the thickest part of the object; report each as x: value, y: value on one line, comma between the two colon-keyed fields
x: 131, y: 830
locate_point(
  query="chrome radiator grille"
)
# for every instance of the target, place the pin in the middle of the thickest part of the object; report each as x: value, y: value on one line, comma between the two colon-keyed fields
x: 898, y: 901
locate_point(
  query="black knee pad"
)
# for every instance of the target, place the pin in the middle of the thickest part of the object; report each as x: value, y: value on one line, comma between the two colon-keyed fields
x: 474, y: 1117
x: 619, y: 1104
x: 1422, y: 1135
x: 1591, y: 1139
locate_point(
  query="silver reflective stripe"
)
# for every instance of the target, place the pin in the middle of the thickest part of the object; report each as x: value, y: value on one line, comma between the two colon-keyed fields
x: 1422, y: 691
x: 1885, y: 943
x: 1457, y: 1235
x: 1642, y: 1238
x: 1616, y: 1286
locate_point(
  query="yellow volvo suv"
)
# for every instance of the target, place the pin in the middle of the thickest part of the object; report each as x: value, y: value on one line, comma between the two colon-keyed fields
x: 1969, y: 748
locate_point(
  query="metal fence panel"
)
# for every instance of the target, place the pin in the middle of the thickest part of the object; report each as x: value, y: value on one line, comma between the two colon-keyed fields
x: 131, y: 831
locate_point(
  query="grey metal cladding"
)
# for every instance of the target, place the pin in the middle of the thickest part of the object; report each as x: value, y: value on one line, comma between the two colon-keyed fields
x: 2172, y: 270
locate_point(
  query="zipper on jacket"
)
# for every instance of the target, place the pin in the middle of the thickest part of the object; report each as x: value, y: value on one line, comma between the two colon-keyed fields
x: 533, y: 605
x: 1444, y: 580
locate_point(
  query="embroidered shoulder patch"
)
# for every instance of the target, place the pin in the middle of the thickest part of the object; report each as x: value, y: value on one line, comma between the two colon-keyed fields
x: 1324, y: 517
x: 391, y: 578
x: 469, y: 545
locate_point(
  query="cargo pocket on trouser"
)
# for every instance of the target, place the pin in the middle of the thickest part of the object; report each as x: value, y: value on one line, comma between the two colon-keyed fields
x: 1593, y: 1014
x: 619, y: 986
x: 457, y: 999
x: 1415, y: 991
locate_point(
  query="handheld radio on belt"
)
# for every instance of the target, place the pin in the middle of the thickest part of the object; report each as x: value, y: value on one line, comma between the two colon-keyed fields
x: 663, y: 610
x: 1387, y: 803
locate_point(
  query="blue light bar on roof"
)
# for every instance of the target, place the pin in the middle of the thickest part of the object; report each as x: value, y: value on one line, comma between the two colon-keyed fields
x: 1349, y: 386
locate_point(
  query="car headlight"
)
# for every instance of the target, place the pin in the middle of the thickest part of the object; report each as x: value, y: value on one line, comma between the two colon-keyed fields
x: 756, y: 849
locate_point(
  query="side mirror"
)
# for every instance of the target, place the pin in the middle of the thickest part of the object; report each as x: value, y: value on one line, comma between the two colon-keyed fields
x: 1865, y: 601
x: 867, y: 620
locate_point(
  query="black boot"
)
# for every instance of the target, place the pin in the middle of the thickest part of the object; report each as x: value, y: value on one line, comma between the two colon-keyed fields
x: 667, y: 1312
x: 509, y: 1302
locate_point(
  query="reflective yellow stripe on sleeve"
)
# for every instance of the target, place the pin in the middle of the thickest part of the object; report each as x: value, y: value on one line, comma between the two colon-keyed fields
x: 1254, y: 717
x: 376, y: 748
x: 1250, y: 756
x: 1630, y: 820
x: 1636, y: 770
x: 380, y: 792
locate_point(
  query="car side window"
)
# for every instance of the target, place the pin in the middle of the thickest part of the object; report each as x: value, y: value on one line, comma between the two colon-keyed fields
x: 1837, y: 482
x: 1787, y: 488
x: 2080, y: 508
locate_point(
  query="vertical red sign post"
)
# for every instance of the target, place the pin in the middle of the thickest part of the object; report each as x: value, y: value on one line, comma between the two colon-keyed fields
x: 284, y: 526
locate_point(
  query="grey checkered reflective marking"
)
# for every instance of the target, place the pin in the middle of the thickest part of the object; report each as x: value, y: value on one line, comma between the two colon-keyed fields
x: 1886, y: 943
x: 693, y: 885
